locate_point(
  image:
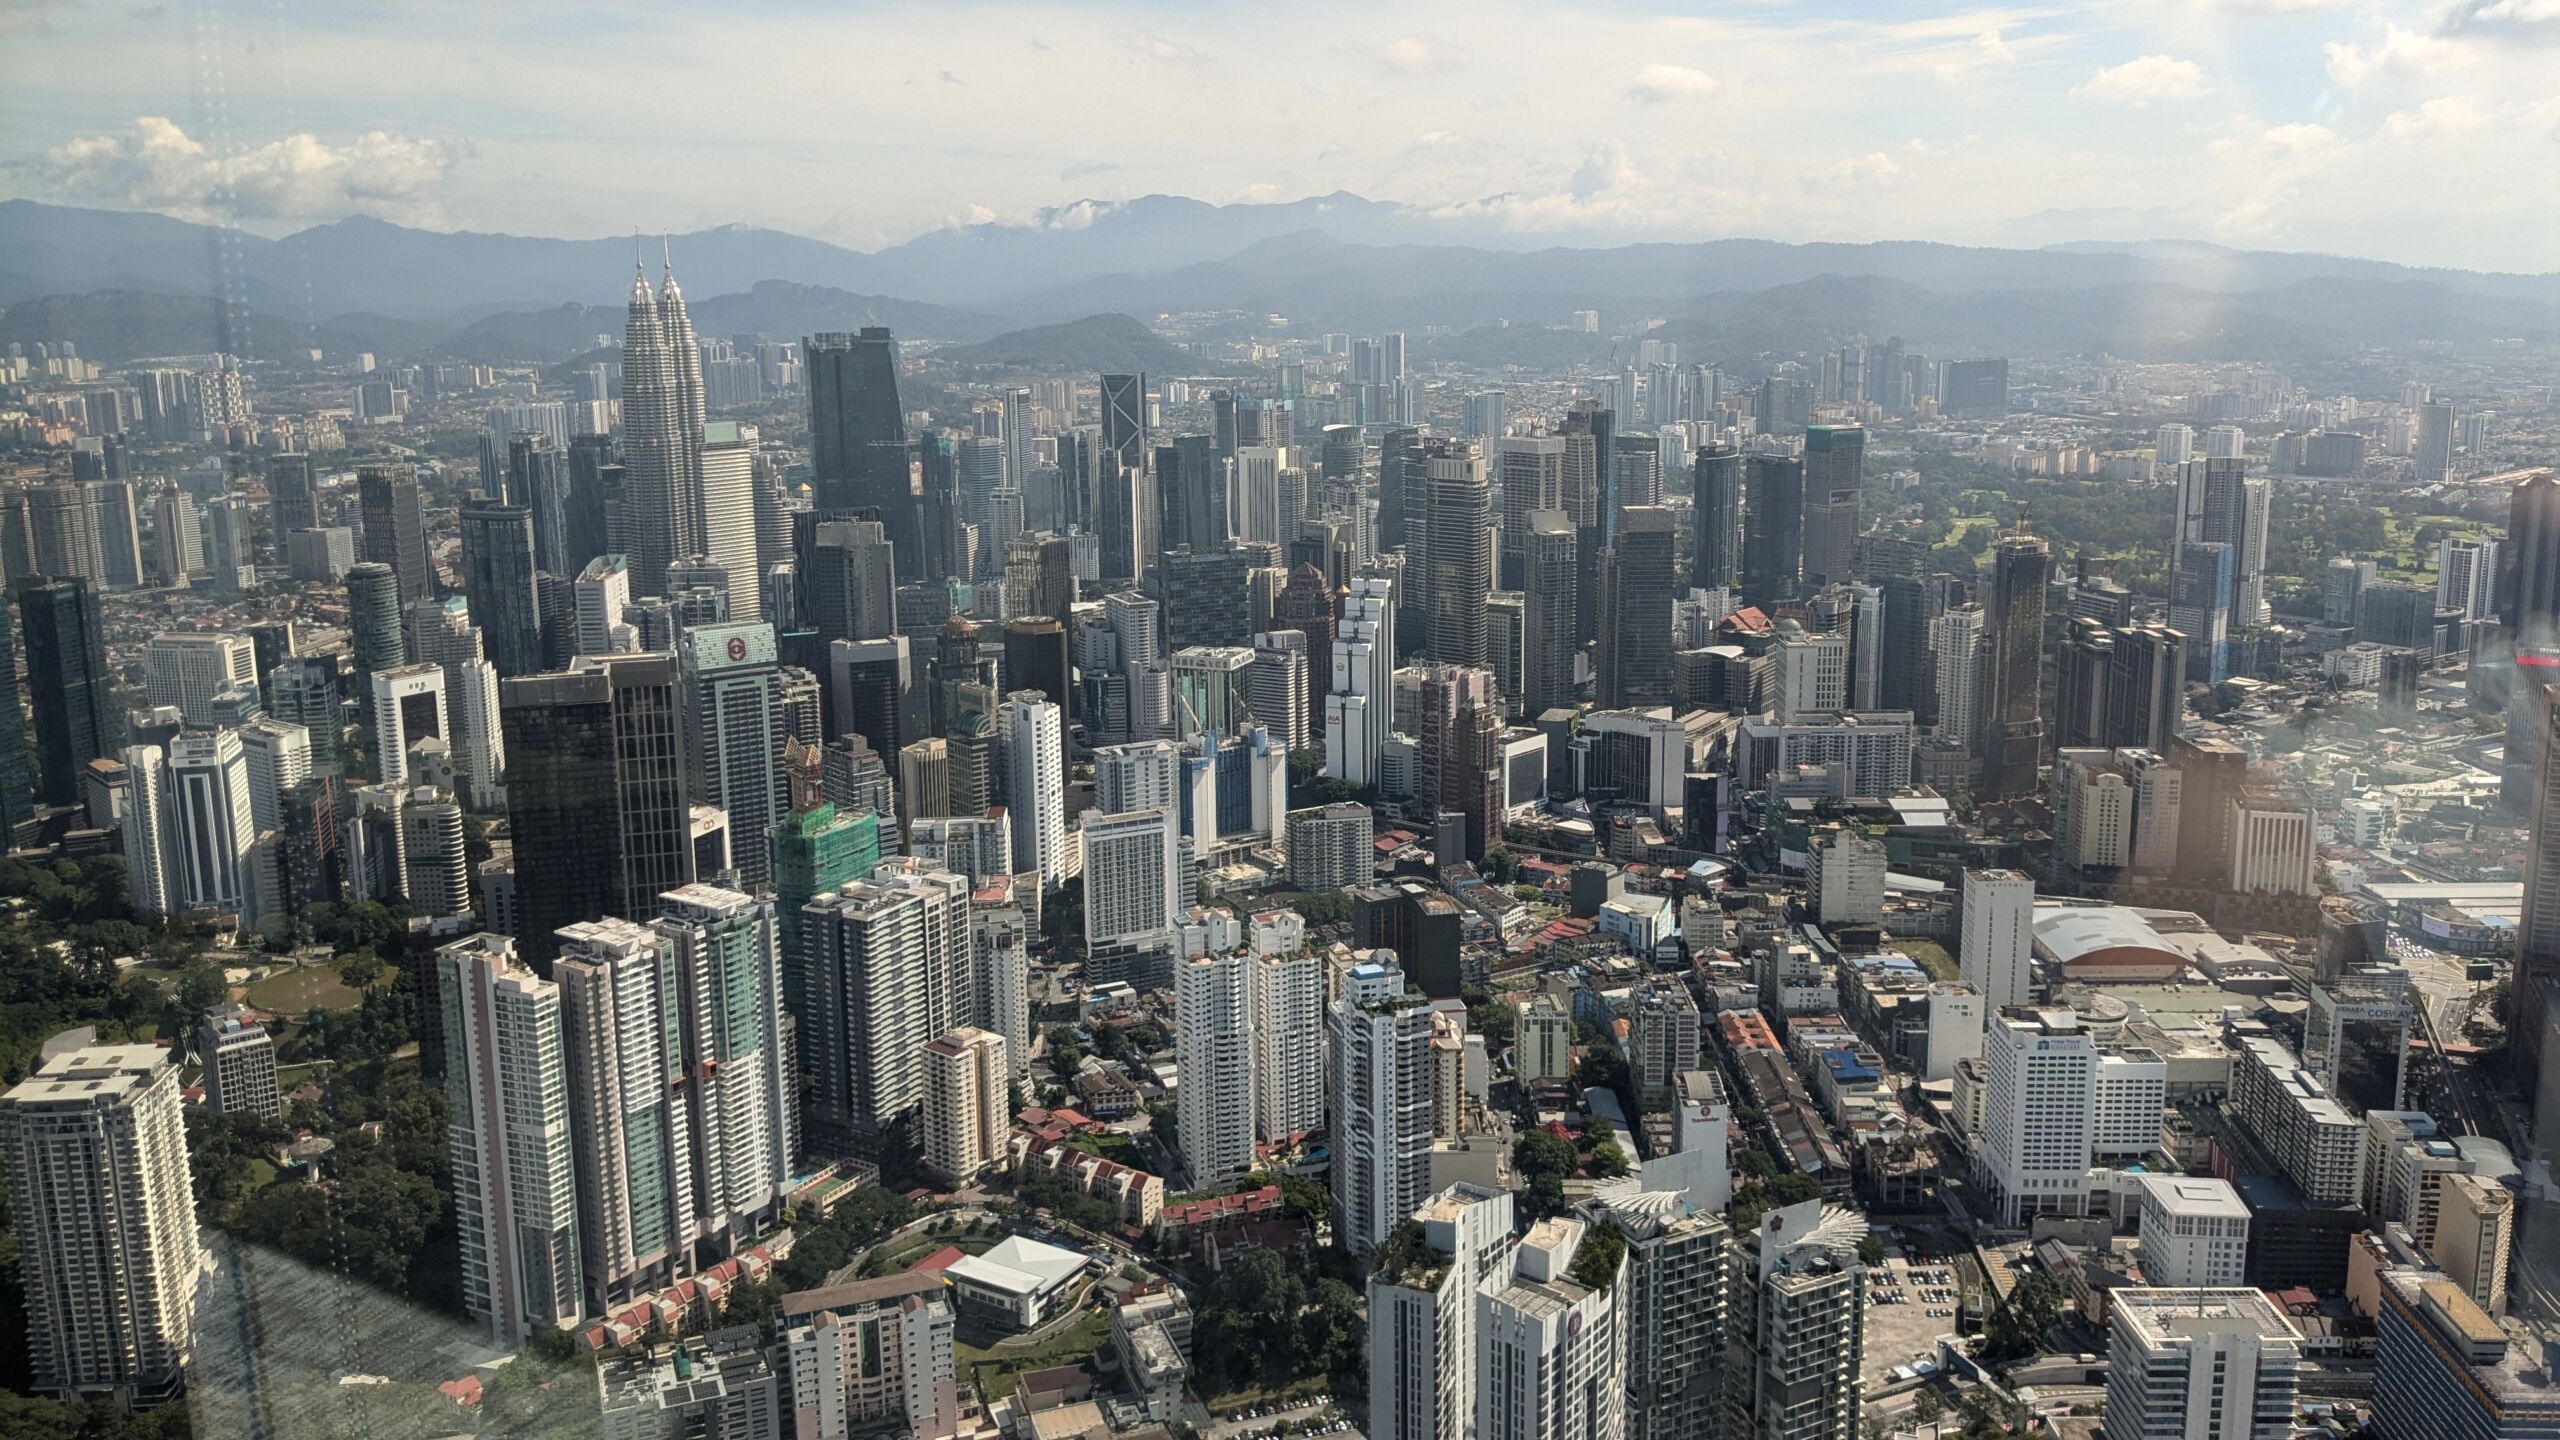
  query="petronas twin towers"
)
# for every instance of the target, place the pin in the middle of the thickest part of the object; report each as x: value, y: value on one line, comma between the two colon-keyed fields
x: 662, y: 418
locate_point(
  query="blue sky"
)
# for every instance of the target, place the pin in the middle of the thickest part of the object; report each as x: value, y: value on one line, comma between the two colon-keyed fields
x: 2421, y: 132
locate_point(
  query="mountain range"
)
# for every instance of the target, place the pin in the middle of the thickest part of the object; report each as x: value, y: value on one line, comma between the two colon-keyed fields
x: 1336, y: 262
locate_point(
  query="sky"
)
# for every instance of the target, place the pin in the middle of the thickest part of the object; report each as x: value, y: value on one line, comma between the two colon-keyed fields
x: 2427, y: 133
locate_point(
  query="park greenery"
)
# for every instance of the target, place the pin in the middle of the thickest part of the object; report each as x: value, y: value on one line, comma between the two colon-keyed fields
x: 1260, y: 1322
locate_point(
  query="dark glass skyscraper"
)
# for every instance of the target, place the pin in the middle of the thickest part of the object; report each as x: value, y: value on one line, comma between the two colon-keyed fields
x: 68, y: 685
x: 1192, y: 489
x: 1773, y: 522
x: 539, y: 481
x: 498, y: 581
x: 596, y: 794
x: 289, y: 494
x: 373, y: 618
x: 2013, y: 721
x: 858, y: 433
x: 1715, y: 559
x: 17, y: 773
x: 1834, y: 468
x: 586, y: 529
x: 395, y: 527
x: 1636, y: 594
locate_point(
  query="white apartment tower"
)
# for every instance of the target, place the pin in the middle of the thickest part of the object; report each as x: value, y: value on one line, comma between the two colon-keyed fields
x: 1422, y: 1315
x: 630, y: 1128
x: 1359, y: 711
x: 1381, y: 1101
x: 967, y: 1081
x: 1551, y: 1353
x: 95, y: 1145
x: 2041, y: 1088
x: 743, y: 1095
x: 1997, y: 946
x: 1213, y: 1053
x: 515, y: 1190
x: 1285, y: 999
x: 1034, y: 741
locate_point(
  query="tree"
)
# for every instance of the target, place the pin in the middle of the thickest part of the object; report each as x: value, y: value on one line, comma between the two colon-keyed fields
x: 1608, y: 1162
x: 1870, y: 1251
x: 2019, y: 1326
x: 1499, y: 865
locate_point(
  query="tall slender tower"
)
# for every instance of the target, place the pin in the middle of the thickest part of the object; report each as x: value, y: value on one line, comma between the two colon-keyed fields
x: 661, y: 429
x: 2013, y: 722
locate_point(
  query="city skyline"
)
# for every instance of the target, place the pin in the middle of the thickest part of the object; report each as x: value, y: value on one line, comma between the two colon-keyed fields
x: 2256, y: 123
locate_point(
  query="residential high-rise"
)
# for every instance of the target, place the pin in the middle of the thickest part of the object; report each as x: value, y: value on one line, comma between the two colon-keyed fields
x: 1550, y: 1345
x: 873, y: 1356
x: 887, y: 969
x: 1033, y: 739
x: 102, y: 1198
x: 1276, y: 686
x: 395, y: 528
x: 1284, y: 1000
x: 965, y: 1118
x: 2200, y: 1364
x: 69, y: 688
x: 744, y: 1090
x: 498, y: 581
x: 1715, y: 556
x: 62, y: 518
x: 596, y: 793
x: 1639, y: 578
x: 239, y: 1059
x: 1213, y: 1051
x: 1773, y: 530
x: 620, y: 1002
x: 732, y: 736
x: 1797, y: 1312
x: 2013, y: 721
x: 508, y: 1109
x: 1331, y: 847
x: 1423, y: 1301
x: 2146, y: 688
x: 1360, y: 710
x: 1834, y: 468
x: 858, y: 436
x: 1380, y: 1092
x: 1136, y: 885
x: 662, y: 418
x: 1671, y: 1306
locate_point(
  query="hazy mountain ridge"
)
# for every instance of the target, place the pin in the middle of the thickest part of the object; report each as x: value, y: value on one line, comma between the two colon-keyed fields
x: 500, y: 297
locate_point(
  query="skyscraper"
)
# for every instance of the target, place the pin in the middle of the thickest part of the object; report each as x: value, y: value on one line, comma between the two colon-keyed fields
x: 662, y: 417
x: 213, y: 827
x: 1550, y: 592
x: 1834, y: 465
x: 2084, y: 669
x: 290, y: 493
x: 63, y: 518
x: 95, y: 1145
x: 1532, y: 474
x: 2146, y: 688
x: 1380, y: 1102
x: 498, y: 581
x: 508, y: 1111
x: 965, y: 1119
x: 1032, y: 735
x: 1798, y: 1321
x: 1773, y: 525
x: 1715, y: 559
x: 373, y: 617
x: 858, y: 435
x: 69, y: 687
x: 2431, y: 461
x: 630, y: 1128
x: 743, y: 1086
x: 1640, y: 575
x: 2013, y: 733
x: 887, y: 970
x: 725, y: 512
x: 1457, y: 553
x: 1360, y: 709
x: 732, y: 737
x: 596, y: 793
x: 1212, y: 1046
x: 395, y: 528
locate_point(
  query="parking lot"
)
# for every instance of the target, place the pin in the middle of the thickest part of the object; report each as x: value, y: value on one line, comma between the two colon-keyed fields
x: 1909, y: 1305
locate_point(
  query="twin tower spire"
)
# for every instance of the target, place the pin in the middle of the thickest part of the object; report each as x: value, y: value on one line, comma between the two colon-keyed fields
x: 662, y: 417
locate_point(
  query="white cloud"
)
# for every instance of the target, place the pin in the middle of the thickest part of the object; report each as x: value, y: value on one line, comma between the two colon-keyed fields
x: 2142, y: 81
x: 1415, y: 55
x: 2438, y: 119
x: 1153, y: 46
x: 1874, y: 168
x: 2534, y: 21
x: 2402, y: 53
x: 1661, y: 84
x: 158, y: 166
x: 1982, y: 51
x: 2268, y: 7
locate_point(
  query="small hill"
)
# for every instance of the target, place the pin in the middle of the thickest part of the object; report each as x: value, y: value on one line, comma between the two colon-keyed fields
x: 110, y: 326
x: 1113, y: 344
x: 778, y: 308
